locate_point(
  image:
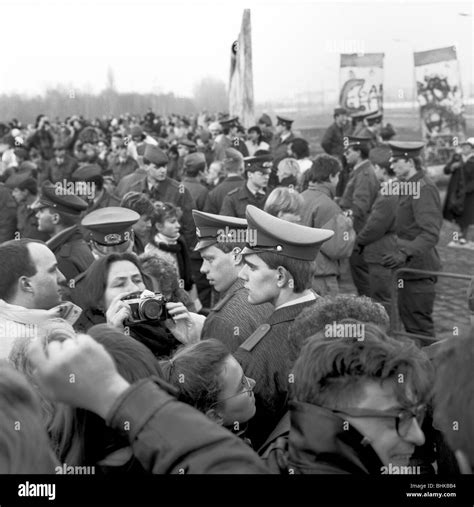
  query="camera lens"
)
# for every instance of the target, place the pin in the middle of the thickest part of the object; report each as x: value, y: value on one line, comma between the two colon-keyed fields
x: 151, y: 309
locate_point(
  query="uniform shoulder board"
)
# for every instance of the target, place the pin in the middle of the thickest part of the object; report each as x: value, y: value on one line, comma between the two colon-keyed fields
x: 254, y: 339
x: 65, y: 250
x: 232, y: 192
x: 218, y: 306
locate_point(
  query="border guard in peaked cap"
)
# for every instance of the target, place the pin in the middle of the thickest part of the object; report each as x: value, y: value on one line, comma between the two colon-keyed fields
x: 220, y: 240
x: 110, y: 229
x: 284, y: 238
x: 417, y: 225
x: 59, y: 212
x: 278, y: 269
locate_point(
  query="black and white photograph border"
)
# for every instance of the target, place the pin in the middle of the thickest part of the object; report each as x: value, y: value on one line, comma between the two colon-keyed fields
x: 237, y: 249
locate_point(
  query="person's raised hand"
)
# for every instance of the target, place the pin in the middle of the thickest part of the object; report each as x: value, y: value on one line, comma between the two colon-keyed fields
x: 181, y: 324
x: 118, y: 311
x: 79, y: 372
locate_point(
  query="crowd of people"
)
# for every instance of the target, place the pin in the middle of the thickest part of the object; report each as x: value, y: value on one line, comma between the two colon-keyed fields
x: 171, y: 299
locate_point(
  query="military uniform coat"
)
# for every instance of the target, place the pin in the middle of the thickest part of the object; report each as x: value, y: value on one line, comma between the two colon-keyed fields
x: 267, y: 362
x: 8, y: 217
x: 215, y: 197
x: 418, y: 224
x: 225, y: 143
x: 233, y: 319
x: 27, y: 223
x: 333, y: 141
x: 198, y: 192
x: 280, y: 148
x: 378, y: 235
x: 467, y: 217
x: 360, y: 193
x: 72, y: 253
x: 122, y: 169
x: 58, y: 172
x: 236, y: 202
x: 105, y: 200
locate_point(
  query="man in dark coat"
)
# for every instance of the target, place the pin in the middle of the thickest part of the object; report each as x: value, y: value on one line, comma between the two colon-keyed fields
x: 453, y: 206
x: 59, y: 216
x: 121, y: 163
x: 378, y: 237
x: 359, y: 196
x: 8, y: 225
x: 25, y: 193
x: 233, y: 165
x: 265, y: 124
x: 155, y: 183
x: 333, y: 139
x: 194, y: 170
x: 278, y: 268
x: 418, y: 224
x: 333, y: 144
x: 230, y: 139
x: 279, y: 146
x: 62, y: 165
x: 233, y: 319
x: 99, y: 197
x: 467, y: 217
x: 459, y: 202
x: 254, y: 191
x: 284, y: 136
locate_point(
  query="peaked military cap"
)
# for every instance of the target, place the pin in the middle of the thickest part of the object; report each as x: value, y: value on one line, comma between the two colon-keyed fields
x: 360, y: 115
x: 356, y: 141
x: 87, y: 172
x: 60, y: 199
x: 263, y: 163
x: 110, y: 226
x: 380, y: 155
x: 155, y: 155
x: 265, y: 119
x: 284, y: 121
x: 469, y: 141
x: 195, y: 161
x: 137, y: 131
x: 406, y: 149
x: 212, y: 229
x: 375, y: 117
x: 339, y: 110
x: 230, y: 122
x: 187, y: 143
x: 275, y: 235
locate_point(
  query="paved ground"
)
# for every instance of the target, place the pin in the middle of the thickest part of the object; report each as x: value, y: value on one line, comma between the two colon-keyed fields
x: 450, y: 311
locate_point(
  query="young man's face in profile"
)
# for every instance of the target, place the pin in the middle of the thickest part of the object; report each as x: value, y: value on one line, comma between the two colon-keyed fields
x: 260, y: 280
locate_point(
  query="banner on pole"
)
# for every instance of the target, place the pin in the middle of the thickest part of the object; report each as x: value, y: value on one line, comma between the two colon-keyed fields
x: 241, y: 102
x: 361, y: 80
x: 439, y: 94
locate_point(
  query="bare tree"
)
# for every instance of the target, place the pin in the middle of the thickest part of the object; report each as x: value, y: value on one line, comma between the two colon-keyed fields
x: 211, y: 94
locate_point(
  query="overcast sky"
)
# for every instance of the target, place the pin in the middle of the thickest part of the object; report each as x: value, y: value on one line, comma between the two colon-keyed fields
x: 168, y: 46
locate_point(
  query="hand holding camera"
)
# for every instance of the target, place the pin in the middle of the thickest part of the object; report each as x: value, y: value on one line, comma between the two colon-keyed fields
x: 118, y: 311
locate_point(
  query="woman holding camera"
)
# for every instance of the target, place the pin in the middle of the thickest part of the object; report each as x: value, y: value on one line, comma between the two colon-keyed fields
x: 114, y: 277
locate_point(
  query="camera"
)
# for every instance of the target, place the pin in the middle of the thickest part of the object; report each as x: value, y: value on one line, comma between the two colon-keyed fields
x: 146, y: 306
